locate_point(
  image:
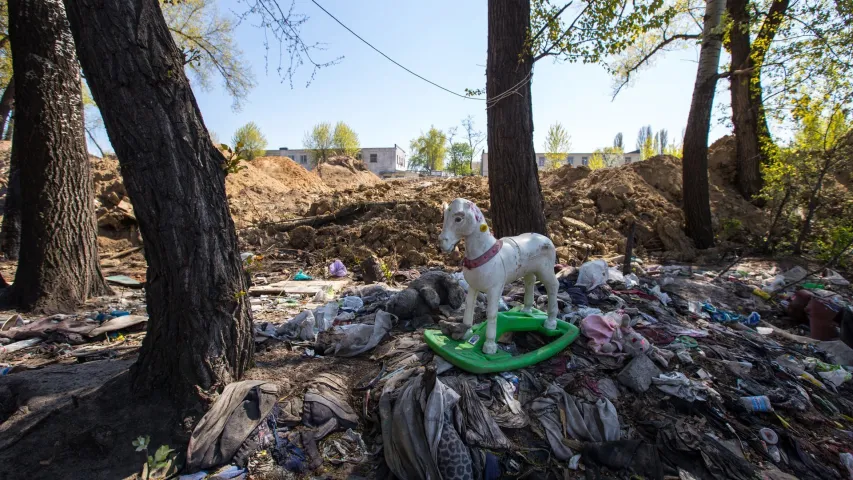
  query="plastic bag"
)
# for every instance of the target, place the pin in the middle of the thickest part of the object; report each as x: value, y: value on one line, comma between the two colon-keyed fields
x: 352, y: 303
x: 836, y: 377
x: 337, y: 269
x: 615, y: 274
x: 835, y: 278
x: 593, y: 274
x: 663, y: 297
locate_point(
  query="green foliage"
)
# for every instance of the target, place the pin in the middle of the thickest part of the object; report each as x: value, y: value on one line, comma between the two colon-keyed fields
x: 558, y: 142
x: 801, y: 180
x: 345, y: 141
x: 596, y: 161
x: 206, y: 39
x: 838, y: 242
x: 730, y: 228
x: 428, y: 151
x: 459, y: 156
x: 319, y: 141
x: 159, y: 466
x: 591, y: 30
x: 249, y: 141
x: 232, y: 158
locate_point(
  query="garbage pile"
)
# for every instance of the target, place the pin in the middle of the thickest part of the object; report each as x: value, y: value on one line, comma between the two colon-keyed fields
x: 679, y: 373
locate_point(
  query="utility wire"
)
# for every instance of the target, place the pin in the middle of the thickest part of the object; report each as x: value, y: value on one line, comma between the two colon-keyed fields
x: 391, y: 59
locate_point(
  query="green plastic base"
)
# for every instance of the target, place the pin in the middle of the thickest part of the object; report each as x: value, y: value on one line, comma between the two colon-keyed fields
x: 468, y: 355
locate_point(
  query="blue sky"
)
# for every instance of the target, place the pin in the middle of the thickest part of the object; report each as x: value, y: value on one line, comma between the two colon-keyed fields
x: 446, y: 42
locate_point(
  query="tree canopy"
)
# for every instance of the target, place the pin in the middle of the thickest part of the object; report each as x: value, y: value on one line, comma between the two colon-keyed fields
x: 252, y: 143
x: 558, y: 142
x: 319, y: 141
x: 429, y: 151
x: 345, y: 141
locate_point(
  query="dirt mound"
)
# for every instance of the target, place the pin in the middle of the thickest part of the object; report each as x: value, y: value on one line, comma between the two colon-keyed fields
x: 270, y: 189
x: 346, y: 172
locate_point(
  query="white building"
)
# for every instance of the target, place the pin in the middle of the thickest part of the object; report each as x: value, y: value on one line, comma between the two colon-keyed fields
x: 384, y: 161
x: 575, y: 159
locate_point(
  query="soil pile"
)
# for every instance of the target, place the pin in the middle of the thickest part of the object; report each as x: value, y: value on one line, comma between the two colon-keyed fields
x: 589, y: 213
x: 343, y: 172
x: 270, y: 189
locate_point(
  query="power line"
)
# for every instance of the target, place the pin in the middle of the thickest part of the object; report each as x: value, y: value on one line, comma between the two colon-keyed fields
x: 389, y: 58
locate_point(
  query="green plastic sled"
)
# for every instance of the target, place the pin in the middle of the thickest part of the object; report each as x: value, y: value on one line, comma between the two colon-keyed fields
x: 468, y: 354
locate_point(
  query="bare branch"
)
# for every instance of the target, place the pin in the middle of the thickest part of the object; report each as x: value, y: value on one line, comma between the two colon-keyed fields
x: 666, y: 41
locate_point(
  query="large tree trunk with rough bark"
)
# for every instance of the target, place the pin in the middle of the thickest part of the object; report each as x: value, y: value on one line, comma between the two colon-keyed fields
x: 58, y: 261
x: 514, y: 190
x: 200, y: 329
x: 697, y: 203
x: 752, y: 135
x: 6, y: 102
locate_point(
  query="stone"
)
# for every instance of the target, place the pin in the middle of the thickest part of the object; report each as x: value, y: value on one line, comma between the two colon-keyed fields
x: 638, y: 374
x: 572, y: 222
x: 609, y: 203
x: 302, y: 237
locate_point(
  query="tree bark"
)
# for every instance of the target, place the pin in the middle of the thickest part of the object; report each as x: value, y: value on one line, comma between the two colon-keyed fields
x: 514, y: 189
x: 6, y: 104
x: 58, y: 261
x: 200, y: 329
x: 752, y: 135
x: 697, y: 202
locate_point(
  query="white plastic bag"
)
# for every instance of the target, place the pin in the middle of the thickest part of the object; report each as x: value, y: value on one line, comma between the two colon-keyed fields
x: 593, y: 274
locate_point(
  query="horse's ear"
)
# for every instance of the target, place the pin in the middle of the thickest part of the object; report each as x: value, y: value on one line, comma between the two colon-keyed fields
x: 444, y: 206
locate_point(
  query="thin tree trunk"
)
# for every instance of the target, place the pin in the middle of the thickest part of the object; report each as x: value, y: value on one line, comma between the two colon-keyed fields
x: 768, y: 243
x: 200, y: 328
x: 10, y: 234
x: 58, y: 262
x: 752, y: 135
x: 11, y: 128
x: 814, y: 200
x: 697, y: 203
x: 6, y: 104
x: 514, y: 189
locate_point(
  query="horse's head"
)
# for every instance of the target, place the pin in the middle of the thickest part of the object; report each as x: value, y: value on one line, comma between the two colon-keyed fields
x: 461, y: 219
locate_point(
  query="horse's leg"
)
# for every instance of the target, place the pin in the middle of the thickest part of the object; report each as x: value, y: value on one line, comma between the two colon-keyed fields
x: 529, y: 283
x: 494, y: 296
x: 470, y: 305
x: 549, y: 279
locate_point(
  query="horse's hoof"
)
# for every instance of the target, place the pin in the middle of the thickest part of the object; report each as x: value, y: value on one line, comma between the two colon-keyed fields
x: 468, y: 334
x: 551, y: 323
x: 490, y: 348
x: 527, y: 309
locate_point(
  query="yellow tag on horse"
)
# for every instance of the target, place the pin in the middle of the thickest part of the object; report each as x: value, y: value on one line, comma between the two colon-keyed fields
x: 483, y: 227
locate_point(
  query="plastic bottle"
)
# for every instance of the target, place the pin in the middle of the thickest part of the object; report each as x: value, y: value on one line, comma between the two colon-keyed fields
x: 757, y: 404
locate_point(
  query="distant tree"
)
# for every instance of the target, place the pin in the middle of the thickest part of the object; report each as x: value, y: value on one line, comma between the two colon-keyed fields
x: 345, y: 141
x: 459, y: 155
x: 428, y: 151
x: 618, y: 141
x: 645, y: 142
x: 596, y: 161
x: 661, y: 141
x: 475, y: 139
x: 613, y: 156
x: 558, y: 142
x: 319, y: 142
x: 252, y: 143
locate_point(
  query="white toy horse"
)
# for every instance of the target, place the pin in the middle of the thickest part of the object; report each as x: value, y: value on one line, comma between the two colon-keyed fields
x: 490, y: 264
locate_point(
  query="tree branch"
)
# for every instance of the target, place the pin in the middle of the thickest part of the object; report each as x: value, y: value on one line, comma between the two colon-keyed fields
x: 649, y: 55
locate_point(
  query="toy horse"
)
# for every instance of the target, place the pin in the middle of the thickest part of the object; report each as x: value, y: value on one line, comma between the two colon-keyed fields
x: 491, y: 263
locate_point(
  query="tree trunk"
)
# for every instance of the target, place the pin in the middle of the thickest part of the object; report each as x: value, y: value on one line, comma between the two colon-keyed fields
x: 6, y: 104
x: 514, y: 190
x: 11, y: 128
x: 200, y: 329
x: 752, y: 135
x: 58, y: 261
x: 697, y: 203
x: 10, y: 235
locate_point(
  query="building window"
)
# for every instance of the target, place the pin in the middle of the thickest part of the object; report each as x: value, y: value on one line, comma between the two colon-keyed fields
x: 627, y: 159
x: 373, y: 158
x: 303, y: 159
x: 584, y: 160
x: 358, y: 156
x: 541, y: 161
x: 570, y: 160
